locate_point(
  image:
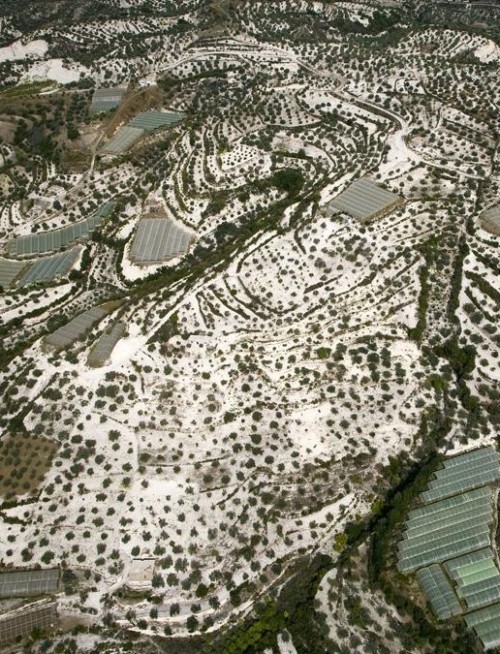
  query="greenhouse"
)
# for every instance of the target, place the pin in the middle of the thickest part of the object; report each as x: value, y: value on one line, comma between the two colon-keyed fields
x: 490, y: 219
x: 439, y: 592
x: 486, y: 623
x: 9, y: 271
x: 149, y: 121
x: 159, y: 239
x: 124, y: 139
x: 49, y: 268
x: 448, y: 542
x: 107, y: 99
x: 142, y: 124
x: 20, y: 624
x: 28, y: 583
x: 365, y: 200
x: 104, y: 347
x: 55, y: 239
x: 465, y: 473
x: 76, y: 328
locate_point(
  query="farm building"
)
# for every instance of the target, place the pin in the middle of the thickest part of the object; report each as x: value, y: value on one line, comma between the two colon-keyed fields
x: 29, y: 583
x: 448, y: 542
x: 159, y: 239
x: 140, y: 574
x: 21, y: 623
x: 107, y: 99
x: 365, y: 200
x: 490, y: 220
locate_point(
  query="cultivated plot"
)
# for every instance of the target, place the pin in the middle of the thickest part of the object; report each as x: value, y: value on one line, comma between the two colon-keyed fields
x: 24, y: 462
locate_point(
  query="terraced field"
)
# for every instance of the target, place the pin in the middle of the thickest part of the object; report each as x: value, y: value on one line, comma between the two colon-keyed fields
x: 233, y: 379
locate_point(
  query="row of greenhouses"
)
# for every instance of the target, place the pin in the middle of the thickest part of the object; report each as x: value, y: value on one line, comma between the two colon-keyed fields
x: 449, y: 542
